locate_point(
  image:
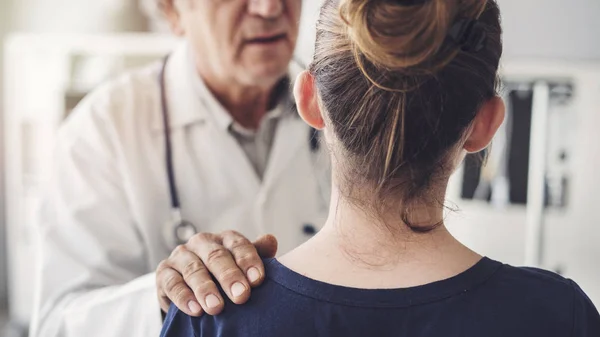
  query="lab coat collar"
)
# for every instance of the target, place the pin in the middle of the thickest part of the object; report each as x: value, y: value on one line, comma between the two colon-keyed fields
x: 184, y: 105
x: 188, y: 98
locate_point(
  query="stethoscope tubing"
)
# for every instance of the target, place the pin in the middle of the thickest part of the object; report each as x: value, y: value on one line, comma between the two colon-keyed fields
x: 178, y: 223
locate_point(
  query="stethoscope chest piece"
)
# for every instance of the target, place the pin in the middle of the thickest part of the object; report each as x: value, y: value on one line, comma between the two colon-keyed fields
x: 183, y: 231
x: 178, y: 231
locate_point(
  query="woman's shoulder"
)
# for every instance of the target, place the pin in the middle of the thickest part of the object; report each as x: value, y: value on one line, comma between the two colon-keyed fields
x: 272, y: 310
x: 545, y: 298
x: 535, y: 281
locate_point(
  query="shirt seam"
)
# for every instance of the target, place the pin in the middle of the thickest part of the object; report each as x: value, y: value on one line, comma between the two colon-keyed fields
x: 383, y: 306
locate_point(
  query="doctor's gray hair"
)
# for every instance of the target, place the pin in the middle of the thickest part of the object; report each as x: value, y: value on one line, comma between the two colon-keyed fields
x: 399, y: 94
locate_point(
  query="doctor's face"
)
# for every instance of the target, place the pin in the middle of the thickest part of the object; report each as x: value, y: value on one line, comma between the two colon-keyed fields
x: 247, y: 41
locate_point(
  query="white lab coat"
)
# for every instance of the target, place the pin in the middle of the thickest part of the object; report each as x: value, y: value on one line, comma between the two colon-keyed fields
x: 102, y: 223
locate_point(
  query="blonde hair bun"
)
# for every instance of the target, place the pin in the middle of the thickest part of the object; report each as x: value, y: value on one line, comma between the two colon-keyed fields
x: 399, y: 35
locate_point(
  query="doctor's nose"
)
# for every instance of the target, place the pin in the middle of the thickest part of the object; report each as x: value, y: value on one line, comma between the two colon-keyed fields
x: 267, y: 9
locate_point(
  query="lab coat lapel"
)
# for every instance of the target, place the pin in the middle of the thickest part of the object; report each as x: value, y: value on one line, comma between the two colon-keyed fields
x: 183, y: 105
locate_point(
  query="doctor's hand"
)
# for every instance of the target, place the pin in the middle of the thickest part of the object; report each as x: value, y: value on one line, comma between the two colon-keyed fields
x: 187, y: 277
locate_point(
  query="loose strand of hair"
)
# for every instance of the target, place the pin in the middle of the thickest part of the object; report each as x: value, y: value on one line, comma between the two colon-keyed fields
x: 392, y: 138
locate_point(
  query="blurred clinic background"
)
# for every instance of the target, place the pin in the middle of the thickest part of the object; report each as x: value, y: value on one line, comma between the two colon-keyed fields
x: 536, y: 202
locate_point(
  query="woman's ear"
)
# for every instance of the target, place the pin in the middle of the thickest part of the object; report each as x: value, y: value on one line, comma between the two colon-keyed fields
x: 307, y: 100
x: 486, y: 123
x: 169, y: 9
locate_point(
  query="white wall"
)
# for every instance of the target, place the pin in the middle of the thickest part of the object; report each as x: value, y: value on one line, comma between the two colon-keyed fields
x: 310, y: 12
x: 4, y: 25
x: 551, y: 28
x: 77, y: 16
x: 5, y: 9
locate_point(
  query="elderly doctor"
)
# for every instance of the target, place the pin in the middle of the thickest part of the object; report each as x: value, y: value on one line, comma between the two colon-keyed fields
x: 206, y: 142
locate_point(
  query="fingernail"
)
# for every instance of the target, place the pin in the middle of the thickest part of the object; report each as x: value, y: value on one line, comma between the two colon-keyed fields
x: 212, y: 301
x: 253, y: 275
x: 194, y: 307
x: 237, y: 289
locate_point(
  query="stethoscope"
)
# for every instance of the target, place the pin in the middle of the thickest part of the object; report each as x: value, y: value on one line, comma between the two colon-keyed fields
x: 178, y: 228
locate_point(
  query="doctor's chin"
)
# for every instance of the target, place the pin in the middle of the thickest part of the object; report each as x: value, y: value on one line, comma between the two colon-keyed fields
x: 202, y: 168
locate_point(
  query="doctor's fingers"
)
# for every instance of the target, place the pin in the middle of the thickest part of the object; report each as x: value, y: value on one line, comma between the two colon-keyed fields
x: 266, y: 246
x: 246, y: 256
x: 172, y: 288
x: 197, y: 277
x: 222, y: 265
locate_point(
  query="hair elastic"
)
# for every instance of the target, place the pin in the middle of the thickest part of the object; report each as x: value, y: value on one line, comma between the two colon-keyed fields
x: 469, y: 34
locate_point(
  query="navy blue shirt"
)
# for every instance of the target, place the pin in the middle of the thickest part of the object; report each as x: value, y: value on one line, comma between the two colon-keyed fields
x: 490, y: 299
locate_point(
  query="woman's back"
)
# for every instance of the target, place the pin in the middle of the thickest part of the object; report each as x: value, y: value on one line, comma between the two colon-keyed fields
x: 490, y: 299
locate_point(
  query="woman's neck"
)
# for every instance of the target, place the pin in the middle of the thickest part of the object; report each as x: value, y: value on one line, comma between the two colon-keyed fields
x: 354, y: 249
